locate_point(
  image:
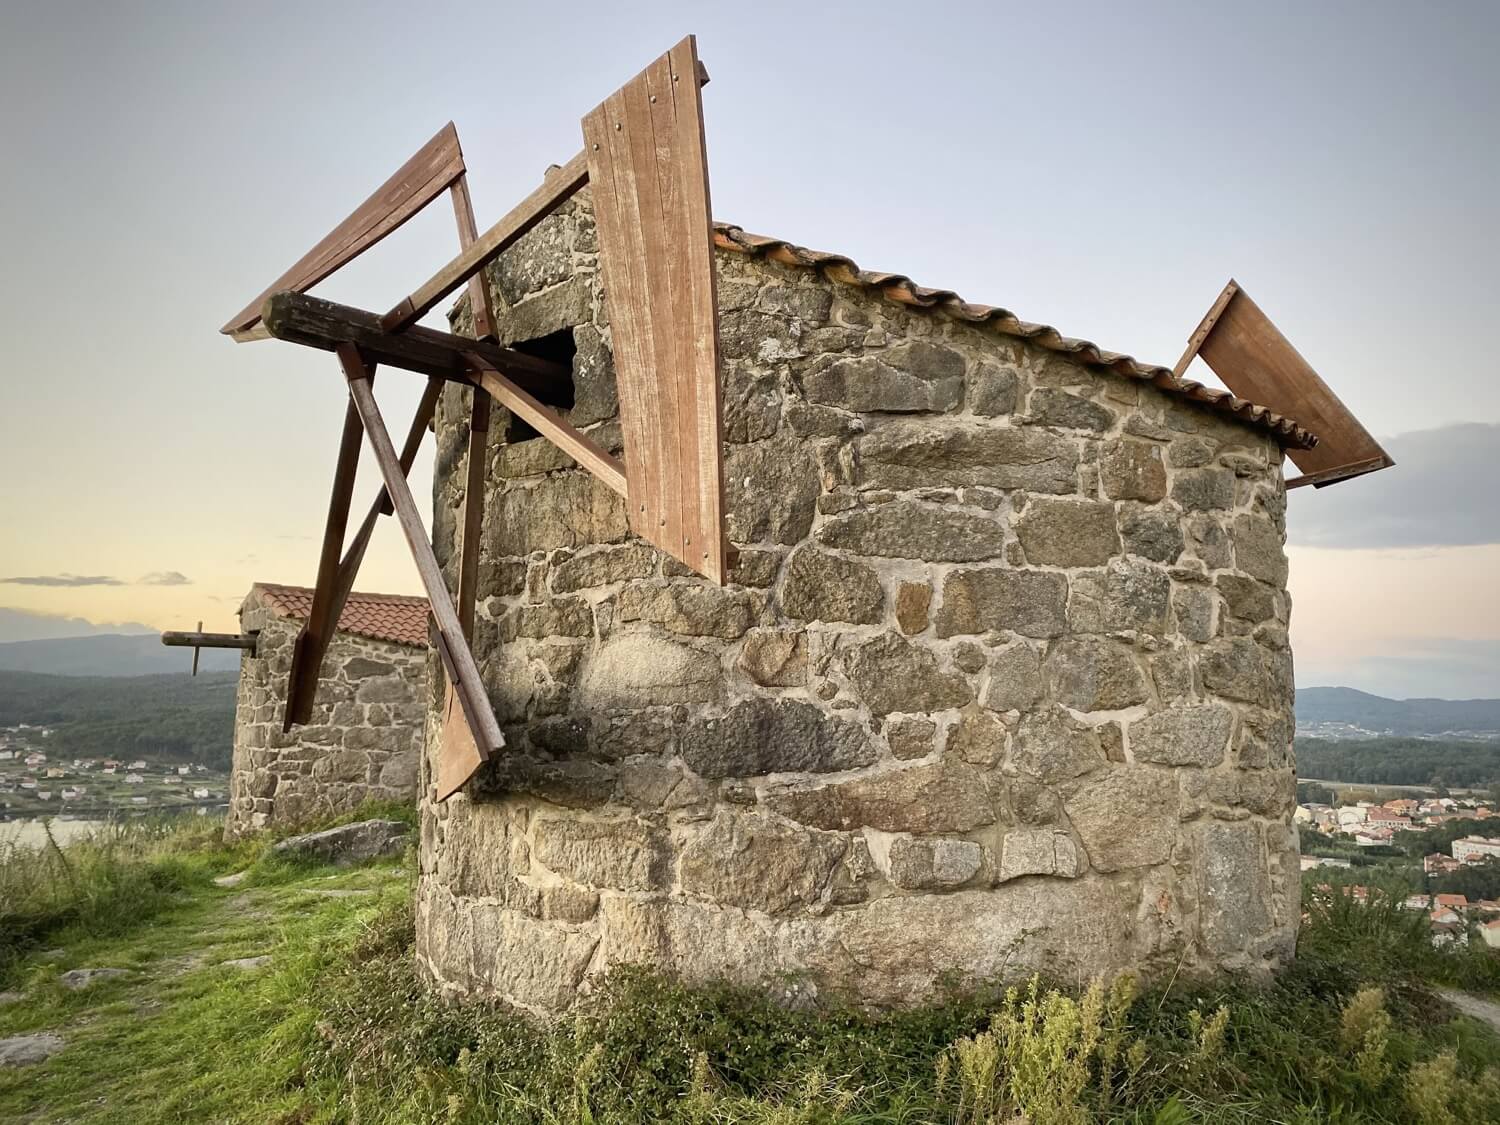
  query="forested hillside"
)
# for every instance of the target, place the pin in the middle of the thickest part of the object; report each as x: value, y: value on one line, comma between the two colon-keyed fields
x: 181, y: 717
x: 1400, y: 761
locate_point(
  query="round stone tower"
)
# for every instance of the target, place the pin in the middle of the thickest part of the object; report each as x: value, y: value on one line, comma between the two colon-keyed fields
x: 1000, y: 683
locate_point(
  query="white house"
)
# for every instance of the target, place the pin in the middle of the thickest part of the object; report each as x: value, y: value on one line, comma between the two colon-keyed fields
x: 134, y: 779
x: 1474, y: 849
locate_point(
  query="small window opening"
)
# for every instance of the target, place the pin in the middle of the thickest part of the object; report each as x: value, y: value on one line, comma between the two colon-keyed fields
x: 559, y: 348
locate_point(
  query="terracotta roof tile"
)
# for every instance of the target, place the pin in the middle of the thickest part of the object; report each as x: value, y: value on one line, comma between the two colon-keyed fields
x: 400, y: 618
x: 902, y: 290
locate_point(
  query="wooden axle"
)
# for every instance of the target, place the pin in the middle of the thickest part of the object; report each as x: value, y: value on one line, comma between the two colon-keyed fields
x: 317, y: 323
x: 183, y: 639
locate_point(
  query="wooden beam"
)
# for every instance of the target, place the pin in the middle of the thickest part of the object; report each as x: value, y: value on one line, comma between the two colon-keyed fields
x: 1255, y: 361
x: 557, y: 186
x: 551, y: 425
x: 182, y: 639
x: 436, y: 165
x: 479, y: 716
x: 468, y: 559
x: 481, y: 304
x: 316, y: 323
x: 649, y: 172
x: 322, y: 619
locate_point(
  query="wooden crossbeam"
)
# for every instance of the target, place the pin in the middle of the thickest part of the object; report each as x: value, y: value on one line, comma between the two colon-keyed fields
x: 558, y: 185
x: 322, y: 619
x: 550, y: 424
x: 317, y: 323
x: 437, y: 165
x: 457, y: 658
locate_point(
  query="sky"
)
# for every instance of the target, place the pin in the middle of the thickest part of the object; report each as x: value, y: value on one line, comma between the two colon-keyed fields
x: 1102, y: 167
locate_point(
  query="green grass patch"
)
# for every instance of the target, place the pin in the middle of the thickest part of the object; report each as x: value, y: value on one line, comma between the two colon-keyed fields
x: 338, y: 1027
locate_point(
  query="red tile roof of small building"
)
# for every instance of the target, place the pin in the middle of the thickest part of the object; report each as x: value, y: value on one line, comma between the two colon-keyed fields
x: 398, y: 618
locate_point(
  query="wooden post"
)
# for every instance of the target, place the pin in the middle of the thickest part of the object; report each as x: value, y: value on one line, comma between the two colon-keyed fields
x: 468, y: 562
x: 317, y: 631
x: 479, y: 716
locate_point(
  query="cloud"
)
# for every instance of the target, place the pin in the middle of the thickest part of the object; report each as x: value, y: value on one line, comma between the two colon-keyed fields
x: 32, y: 625
x: 1441, y: 493
x: 1411, y: 668
x: 165, y: 578
x: 63, y: 579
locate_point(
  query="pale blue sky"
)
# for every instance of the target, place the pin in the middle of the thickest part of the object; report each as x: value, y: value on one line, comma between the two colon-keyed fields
x: 1103, y: 167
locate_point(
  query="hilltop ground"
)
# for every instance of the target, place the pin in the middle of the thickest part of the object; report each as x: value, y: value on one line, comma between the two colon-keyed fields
x: 326, y: 1022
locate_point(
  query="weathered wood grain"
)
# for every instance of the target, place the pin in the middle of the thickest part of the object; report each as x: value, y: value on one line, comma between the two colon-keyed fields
x: 649, y: 177
x: 1255, y: 361
x: 317, y: 323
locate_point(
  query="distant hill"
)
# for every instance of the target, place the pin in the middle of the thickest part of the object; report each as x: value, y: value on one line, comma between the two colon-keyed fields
x: 182, y: 717
x: 1321, y: 710
x: 110, y: 654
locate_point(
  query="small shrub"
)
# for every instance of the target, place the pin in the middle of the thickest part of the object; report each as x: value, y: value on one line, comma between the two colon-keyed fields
x: 1429, y: 1090
x: 1364, y: 1033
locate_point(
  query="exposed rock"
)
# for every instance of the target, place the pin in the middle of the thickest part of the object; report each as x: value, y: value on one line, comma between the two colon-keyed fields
x: 27, y: 1050
x: 1068, y: 532
x: 1015, y: 678
x: 993, y: 389
x: 1258, y: 550
x: 1126, y: 817
x: 233, y: 880
x: 1193, y: 609
x: 775, y: 657
x: 911, y: 377
x: 633, y: 670
x: 910, y: 736
x: 927, y: 864
x: 567, y: 510
x: 913, y: 599
x: 1033, y: 851
x: 1246, y: 598
x: 1183, y: 736
x: 892, y: 674
x: 1235, y: 667
x: 602, y: 566
x: 623, y: 854
x: 1133, y: 470
x: 1053, y: 407
x: 1052, y: 746
x: 246, y: 964
x: 909, y: 530
x: 913, y: 454
x: 1092, y: 673
x: 1154, y: 535
x: 1204, y: 490
x: 753, y: 861
x: 770, y: 491
x: 1232, y: 886
x: 349, y: 843
x: 978, y: 737
x: 1030, y: 602
x: 75, y: 980
x: 937, y: 797
x: 761, y: 736
x: 1127, y: 594
x: 7, y: 998
x: 824, y: 587
x: 694, y: 609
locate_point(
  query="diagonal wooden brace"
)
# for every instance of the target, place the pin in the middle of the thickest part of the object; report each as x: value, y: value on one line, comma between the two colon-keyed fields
x: 316, y: 633
x: 458, y: 659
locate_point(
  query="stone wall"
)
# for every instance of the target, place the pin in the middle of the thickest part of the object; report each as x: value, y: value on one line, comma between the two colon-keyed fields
x: 363, y: 743
x: 1001, y: 682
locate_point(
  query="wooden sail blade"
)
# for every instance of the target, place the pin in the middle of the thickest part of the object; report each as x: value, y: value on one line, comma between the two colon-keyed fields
x: 434, y: 167
x: 1239, y: 342
x: 649, y: 177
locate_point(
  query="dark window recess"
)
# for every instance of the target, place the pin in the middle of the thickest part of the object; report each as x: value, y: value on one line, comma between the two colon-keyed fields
x: 559, y: 348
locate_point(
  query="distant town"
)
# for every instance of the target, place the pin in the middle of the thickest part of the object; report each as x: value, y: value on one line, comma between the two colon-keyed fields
x: 1388, y: 839
x: 37, y: 782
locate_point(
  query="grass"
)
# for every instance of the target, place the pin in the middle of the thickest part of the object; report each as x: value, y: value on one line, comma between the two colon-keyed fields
x: 338, y: 1027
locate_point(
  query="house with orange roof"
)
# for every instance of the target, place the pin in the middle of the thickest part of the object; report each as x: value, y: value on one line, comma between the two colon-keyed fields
x: 363, y: 739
